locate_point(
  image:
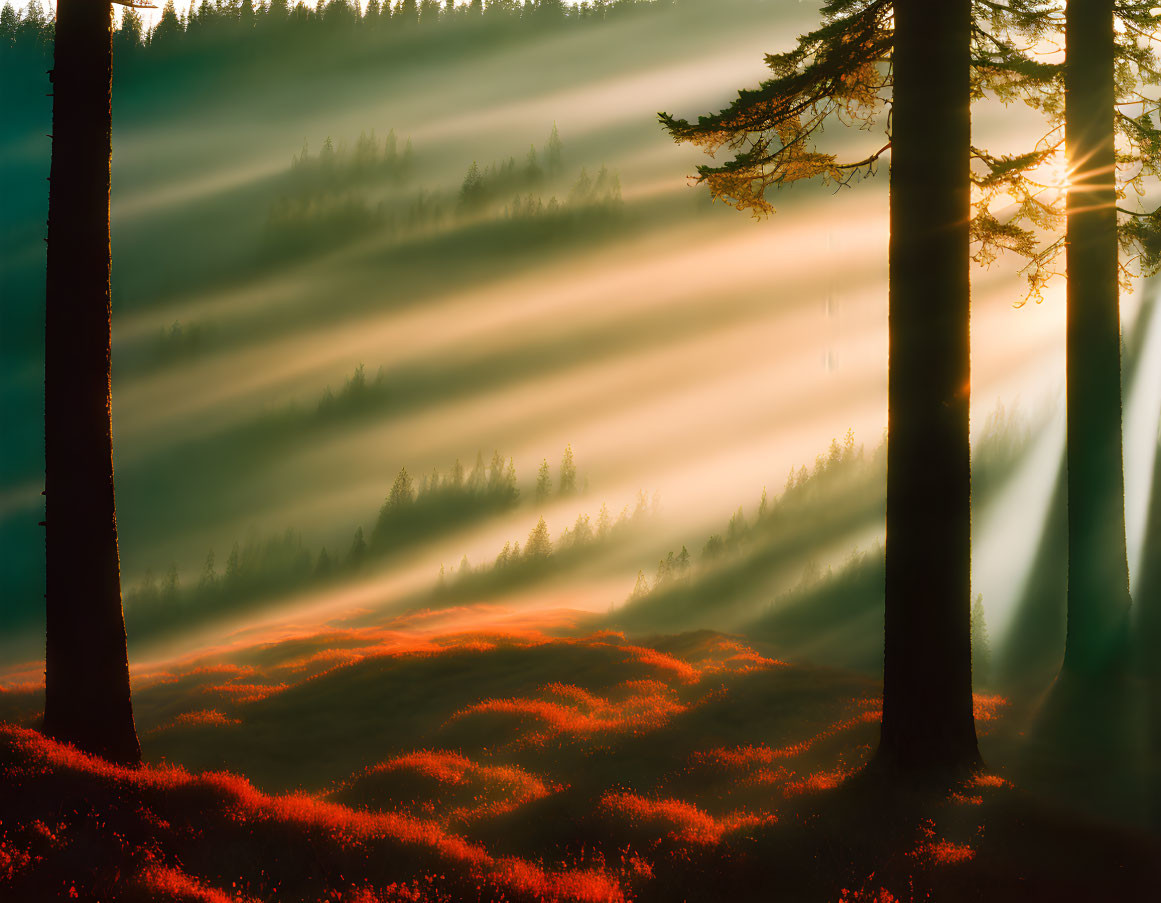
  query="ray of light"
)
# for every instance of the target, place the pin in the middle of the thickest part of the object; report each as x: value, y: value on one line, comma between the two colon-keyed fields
x: 1142, y: 431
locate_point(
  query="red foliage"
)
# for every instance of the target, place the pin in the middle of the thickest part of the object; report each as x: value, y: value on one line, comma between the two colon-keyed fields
x: 987, y: 707
x: 682, y: 821
x: 200, y: 718
x: 644, y: 705
x: 176, y: 885
x: 40, y: 757
x: 817, y: 782
x: 749, y: 756
x: 495, y: 789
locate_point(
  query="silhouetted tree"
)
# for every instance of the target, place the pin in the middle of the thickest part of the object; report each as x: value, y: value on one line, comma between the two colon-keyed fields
x: 87, y: 697
x: 928, y: 724
x: 1148, y: 590
x: 406, y: 13
x: 1091, y: 95
x: 981, y: 646
x: 554, y: 152
x: 567, y: 482
x: 539, y: 545
x: 358, y: 553
x: 543, y: 481
x: 928, y: 720
x: 1098, y: 568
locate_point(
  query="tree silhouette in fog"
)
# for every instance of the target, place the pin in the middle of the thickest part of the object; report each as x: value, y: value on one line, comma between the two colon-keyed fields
x: 922, y: 51
x: 1098, y: 566
x: 87, y: 699
x: 1108, y: 60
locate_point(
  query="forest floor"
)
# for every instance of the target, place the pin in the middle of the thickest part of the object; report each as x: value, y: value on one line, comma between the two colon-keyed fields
x: 374, y: 765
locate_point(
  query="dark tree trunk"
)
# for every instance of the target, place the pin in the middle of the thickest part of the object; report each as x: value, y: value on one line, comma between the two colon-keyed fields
x: 928, y: 724
x: 86, y: 668
x: 1098, y: 570
x: 1149, y: 624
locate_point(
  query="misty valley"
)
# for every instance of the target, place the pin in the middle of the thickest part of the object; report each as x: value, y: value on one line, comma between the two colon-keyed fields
x: 501, y: 515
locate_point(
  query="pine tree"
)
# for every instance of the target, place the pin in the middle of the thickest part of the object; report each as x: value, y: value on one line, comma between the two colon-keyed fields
x: 169, y: 28
x: 539, y: 545
x: 511, y: 487
x: 130, y: 34
x: 842, y: 68
x: 533, y: 174
x: 324, y: 566
x: 87, y: 695
x: 554, y: 153
x: 543, y: 482
x: 1090, y: 96
x: 981, y: 647
x: 1098, y: 567
x: 170, y: 586
x: 582, y: 531
x: 358, y: 553
x: 497, y: 482
x: 567, y: 482
x: 429, y: 12
x: 209, y: 578
x: 402, y: 493
x: 406, y: 13
x: 234, y: 565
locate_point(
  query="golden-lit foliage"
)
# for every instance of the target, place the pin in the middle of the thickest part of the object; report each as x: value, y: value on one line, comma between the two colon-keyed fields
x: 839, y: 70
x: 1019, y: 199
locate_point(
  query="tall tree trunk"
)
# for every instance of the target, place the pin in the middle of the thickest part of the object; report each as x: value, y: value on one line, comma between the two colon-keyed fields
x: 1149, y: 628
x: 928, y: 724
x: 86, y: 667
x: 1098, y: 570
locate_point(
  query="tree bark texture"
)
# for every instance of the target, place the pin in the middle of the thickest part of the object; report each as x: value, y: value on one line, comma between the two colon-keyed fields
x: 87, y: 700
x: 928, y: 725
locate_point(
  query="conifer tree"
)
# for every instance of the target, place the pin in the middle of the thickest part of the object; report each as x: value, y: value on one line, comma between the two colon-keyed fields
x: 406, y: 13
x: 169, y: 28
x: 1098, y: 567
x: 582, y: 531
x: 842, y: 68
x: 358, y: 553
x: 1091, y: 96
x: 604, y: 521
x: 402, y: 492
x: 87, y: 695
x: 567, y: 482
x: 554, y: 152
x: 539, y: 545
x: 543, y: 481
x: 981, y: 646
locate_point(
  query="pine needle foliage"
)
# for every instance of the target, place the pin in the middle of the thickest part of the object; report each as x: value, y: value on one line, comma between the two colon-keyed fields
x: 839, y: 70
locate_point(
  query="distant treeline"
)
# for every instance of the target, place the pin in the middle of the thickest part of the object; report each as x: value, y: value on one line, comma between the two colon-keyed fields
x: 540, y: 557
x: 342, y: 192
x: 757, y: 561
x: 836, y: 475
x: 263, y: 569
x: 210, y: 25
